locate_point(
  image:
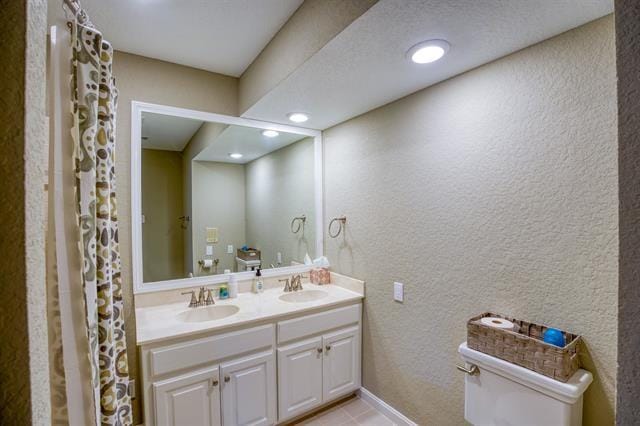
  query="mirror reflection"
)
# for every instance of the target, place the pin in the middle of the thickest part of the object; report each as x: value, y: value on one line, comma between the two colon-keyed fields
x: 220, y: 198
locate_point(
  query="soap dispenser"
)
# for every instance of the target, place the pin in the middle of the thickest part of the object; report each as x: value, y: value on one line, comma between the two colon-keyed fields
x: 258, y: 285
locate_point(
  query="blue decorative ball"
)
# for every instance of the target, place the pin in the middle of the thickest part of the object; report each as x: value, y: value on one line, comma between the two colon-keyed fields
x: 554, y: 336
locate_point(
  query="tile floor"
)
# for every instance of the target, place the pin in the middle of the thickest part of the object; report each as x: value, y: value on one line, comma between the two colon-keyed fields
x: 353, y: 411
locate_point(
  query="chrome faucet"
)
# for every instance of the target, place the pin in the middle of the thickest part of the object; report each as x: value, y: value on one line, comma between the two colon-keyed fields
x: 201, y: 300
x: 294, y: 285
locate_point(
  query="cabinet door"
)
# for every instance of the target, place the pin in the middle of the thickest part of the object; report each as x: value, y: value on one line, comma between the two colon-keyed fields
x: 341, y: 363
x: 299, y: 377
x: 249, y: 391
x: 191, y: 399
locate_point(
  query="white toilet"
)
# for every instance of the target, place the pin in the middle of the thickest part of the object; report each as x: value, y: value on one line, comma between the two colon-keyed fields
x: 504, y: 394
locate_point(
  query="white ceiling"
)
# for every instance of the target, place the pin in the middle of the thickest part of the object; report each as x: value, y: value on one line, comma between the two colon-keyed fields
x: 222, y: 36
x: 166, y: 132
x: 364, y: 66
x: 244, y: 140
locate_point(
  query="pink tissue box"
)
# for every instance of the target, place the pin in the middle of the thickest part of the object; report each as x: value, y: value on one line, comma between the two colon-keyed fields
x: 320, y: 276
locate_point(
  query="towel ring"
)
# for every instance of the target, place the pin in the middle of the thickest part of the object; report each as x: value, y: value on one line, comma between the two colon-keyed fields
x: 300, y: 220
x: 341, y: 221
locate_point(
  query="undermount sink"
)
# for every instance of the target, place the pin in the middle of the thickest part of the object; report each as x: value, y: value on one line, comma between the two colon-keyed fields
x: 304, y: 296
x: 209, y: 313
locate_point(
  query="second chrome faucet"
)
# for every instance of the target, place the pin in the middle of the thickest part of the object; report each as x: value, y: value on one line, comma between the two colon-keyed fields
x: 294, y: 285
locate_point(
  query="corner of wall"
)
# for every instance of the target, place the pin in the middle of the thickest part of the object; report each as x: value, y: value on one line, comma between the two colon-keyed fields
x: 627, y: 15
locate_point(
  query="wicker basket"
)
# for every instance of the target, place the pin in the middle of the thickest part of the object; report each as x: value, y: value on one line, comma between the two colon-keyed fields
x: 248, y: 254
x: 526, y: 347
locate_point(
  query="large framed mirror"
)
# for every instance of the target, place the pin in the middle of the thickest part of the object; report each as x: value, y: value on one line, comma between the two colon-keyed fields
x: 214, y: 195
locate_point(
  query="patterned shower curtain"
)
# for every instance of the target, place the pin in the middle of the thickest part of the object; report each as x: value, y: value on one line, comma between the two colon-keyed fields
x: 94, y: 121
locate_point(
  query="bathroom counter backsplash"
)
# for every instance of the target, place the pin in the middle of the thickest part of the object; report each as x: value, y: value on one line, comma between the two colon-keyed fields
x: 157, y: 314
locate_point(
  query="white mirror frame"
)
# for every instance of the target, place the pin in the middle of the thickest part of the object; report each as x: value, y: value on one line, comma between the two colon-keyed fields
x: 137, y: 108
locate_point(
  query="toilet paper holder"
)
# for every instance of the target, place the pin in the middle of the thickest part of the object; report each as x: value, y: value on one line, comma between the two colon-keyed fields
x: 214, y: 263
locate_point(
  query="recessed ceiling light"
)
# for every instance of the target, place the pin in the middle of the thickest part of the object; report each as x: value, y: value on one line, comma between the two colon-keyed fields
x: 235, y: 155
x: 428, y: 51
x: 298, y: 117
x: 270, y: 133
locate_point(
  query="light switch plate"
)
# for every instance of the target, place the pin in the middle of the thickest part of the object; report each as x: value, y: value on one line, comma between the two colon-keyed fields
x: 209, y: 250
x: 398, y: 292
x: 230, y: 249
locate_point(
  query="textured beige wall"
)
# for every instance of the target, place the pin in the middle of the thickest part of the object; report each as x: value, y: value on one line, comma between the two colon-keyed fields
x: 494, y: 190
x: 312, y: 26
x: 280, y: 187
x: 218, y: 202
x: 24, y: 366
x: 150, y: 80
x: 162, y: 233
x: 628, y: 64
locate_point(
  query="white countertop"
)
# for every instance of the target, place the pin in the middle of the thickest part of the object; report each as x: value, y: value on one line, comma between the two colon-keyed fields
x: 161, y: 322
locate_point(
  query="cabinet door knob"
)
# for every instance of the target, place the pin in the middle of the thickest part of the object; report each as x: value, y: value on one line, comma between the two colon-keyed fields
x: 227, y: 379
x: 214, y: 382
x: 328, y: 348
x: 319, y: 350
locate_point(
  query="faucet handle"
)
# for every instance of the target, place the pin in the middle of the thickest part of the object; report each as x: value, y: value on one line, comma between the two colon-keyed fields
x: 287, y: 286
x: 300, y: 278
x: 201, y: 298
x: 193, y: 303
x: 209, y: 300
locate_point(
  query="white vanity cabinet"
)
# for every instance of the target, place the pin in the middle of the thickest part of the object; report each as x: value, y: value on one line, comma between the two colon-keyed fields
x: 257, y: 375
x: 227, y: 379
x: 318, y: 359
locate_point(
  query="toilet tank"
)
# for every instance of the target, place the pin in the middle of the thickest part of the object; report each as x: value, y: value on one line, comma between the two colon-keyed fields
x: 505, y: 394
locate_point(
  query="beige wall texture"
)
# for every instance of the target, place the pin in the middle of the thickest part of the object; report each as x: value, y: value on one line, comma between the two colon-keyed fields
x: 628, y: 64
x: 280, y: 186
x: 162, y: 206
x: 150, y: 80
x: 24, y: 365
x: 312, y: 26
x: 218, y: 202
x: 495, y: 190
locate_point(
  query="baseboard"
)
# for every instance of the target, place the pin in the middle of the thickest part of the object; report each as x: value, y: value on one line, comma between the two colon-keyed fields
x: 394, y: 415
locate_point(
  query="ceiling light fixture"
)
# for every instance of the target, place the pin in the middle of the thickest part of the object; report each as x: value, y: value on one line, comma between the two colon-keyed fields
x: 428, y: 51
x: 270, y: 133
x: 298, y: 117
x: 235, y: 155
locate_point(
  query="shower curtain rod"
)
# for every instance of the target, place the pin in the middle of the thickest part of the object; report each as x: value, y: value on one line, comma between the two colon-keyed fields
x: 78, y: 12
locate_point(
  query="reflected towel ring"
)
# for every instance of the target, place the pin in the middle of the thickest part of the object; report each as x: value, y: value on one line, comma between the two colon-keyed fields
x: 342, y: 221
x: 300, y: 220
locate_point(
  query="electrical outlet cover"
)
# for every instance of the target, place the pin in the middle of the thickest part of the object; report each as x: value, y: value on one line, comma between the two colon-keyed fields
x: 398, y: 292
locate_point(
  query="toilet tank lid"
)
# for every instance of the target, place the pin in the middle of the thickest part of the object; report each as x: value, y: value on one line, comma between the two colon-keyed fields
x: 568, y: 392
